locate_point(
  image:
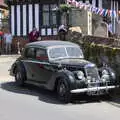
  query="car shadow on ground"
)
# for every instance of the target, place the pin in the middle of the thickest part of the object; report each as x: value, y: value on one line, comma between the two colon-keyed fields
x: 115, y: 95
x: 48, y: 96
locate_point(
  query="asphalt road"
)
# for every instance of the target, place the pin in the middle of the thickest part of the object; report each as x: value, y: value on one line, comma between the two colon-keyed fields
x: 33, y: 103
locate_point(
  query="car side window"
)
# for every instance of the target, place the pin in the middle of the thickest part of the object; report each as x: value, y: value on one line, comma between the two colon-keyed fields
x: 41, y: 54
x: 30, y: 52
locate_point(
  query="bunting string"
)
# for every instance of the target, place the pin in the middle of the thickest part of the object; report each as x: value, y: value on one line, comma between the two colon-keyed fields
x: 96, y: 10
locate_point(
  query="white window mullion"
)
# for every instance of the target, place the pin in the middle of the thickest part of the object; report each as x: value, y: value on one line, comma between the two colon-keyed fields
x: 37, y: 16
x: 12, y: 20
x: 24, y: 21
x: 30, y: 18
x: 94, y: 3
x: 18, y: 20
x: 100, y: 3
x: 87, y: 1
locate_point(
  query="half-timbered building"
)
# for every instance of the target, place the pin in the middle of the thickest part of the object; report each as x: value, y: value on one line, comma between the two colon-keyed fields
x: 27, y: 14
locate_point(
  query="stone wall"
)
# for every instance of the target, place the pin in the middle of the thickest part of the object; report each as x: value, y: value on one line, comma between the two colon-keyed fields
x: 79, y: 18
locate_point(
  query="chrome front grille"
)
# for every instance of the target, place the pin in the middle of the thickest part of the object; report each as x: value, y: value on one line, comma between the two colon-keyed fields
x: 71, y: 68
x: 92, y: 74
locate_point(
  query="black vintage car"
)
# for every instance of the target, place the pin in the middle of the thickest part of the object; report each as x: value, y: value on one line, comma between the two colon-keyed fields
x: 60, y: 66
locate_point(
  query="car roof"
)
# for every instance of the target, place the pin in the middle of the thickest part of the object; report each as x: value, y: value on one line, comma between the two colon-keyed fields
x: 50, y: 43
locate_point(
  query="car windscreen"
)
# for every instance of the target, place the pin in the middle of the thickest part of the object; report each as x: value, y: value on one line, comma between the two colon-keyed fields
x: 74, y: 52
x: 65, y: 52
x: 59, y: 52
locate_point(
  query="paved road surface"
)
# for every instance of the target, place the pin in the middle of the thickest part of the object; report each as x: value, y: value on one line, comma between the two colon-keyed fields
x: 32, y: 103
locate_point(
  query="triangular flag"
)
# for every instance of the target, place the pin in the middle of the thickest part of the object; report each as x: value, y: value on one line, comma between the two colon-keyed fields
x: 101, y: 11
x: 80, y: 5
x: 110, y: 13
x: 97, y: 10
x: 74, y: 3
x: 93, y: 9
x: 106, y: 12
x: 115, y: 14
x: 90, y: 9
x: 77, y: 4
x: 69, y: 1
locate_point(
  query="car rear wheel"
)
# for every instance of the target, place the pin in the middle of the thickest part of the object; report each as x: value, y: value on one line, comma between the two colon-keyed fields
x: 19, y: 76
x: 63, y: 91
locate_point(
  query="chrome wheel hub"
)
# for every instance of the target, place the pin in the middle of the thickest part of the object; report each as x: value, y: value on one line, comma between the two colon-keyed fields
x: 18, y: 76
x: 62, y: 89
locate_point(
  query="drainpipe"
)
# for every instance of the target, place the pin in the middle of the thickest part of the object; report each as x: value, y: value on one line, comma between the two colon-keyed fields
x: 114, y: 17
x: 111, y: 16
x: 117, y: 9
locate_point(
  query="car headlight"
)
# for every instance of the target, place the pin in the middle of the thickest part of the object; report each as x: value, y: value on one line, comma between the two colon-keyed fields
x: 105, y: 77
x: 80, y: 75
x: 113, y: 75
x: 105, y: 72
x: 108, y: 75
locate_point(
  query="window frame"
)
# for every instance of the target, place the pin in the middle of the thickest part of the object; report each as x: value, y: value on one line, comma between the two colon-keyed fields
x: 50, y: 14
x: 46, y: 55
x: 45, y: 11
x: 26, y: 53
x: 67, y: 56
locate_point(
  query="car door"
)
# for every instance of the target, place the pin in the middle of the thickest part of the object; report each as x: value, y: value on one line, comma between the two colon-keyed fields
x: 29, y: 61
x: 43, y: 70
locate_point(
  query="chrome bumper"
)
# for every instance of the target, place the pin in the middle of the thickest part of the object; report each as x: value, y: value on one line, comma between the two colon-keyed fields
x: 92, y: 89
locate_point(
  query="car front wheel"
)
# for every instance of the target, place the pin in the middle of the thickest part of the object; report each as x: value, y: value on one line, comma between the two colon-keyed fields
x: 63, y: 91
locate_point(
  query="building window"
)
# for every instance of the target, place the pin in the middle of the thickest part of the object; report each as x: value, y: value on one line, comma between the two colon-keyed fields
x: 46, y: 15
x: 1, y: 17
x: 97, y: 3
x: 53, y: 19
x: 106, y: 4
x: 41, y: 55
x: 49, y: 16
